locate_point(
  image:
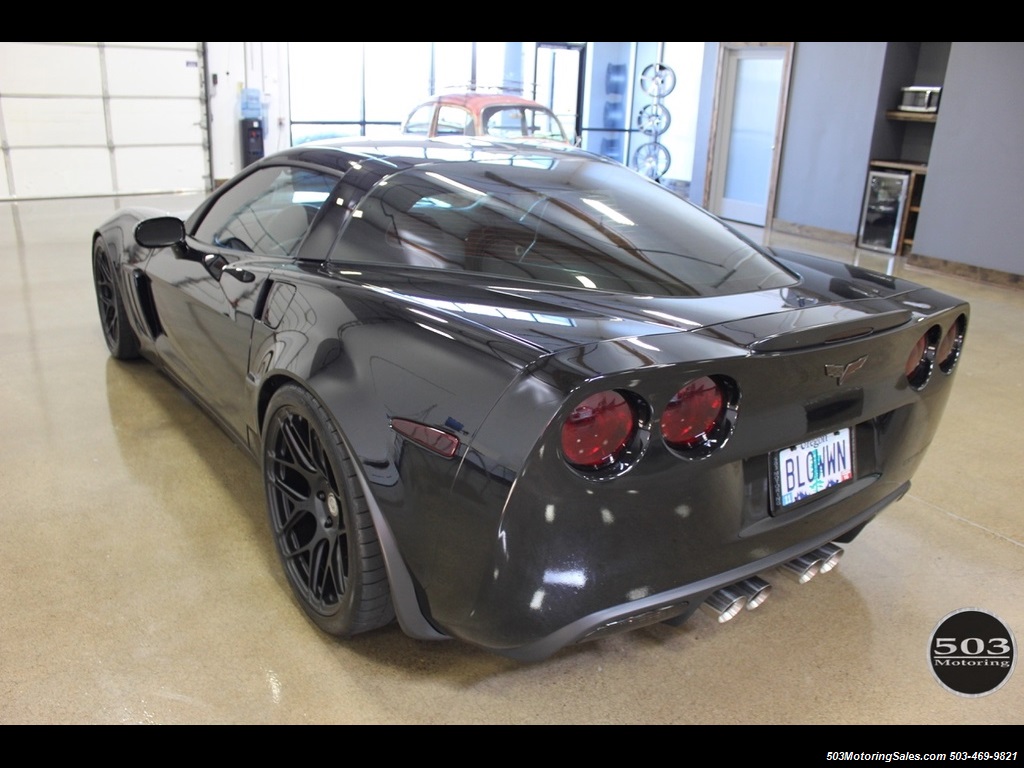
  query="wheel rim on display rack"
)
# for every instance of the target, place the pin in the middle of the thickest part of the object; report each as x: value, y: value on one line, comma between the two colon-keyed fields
x: 653, y: 159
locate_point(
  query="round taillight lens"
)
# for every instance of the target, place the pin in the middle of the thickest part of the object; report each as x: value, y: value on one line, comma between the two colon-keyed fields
x: 916, y: 356
x: 598, y: 430
x: 693, y: 413
x: 949, y: 347
x: 918, y: 367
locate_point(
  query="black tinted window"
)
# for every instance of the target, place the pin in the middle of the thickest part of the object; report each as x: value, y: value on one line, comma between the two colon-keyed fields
x: 267, y: 212
x: 572, y: 222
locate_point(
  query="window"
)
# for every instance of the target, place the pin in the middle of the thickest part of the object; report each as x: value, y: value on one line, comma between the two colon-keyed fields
x: 267, y: 212
x: 517, y: 122
x: 419, y: 120
x: 350, y: 89
x: 505, y: 122
x: 574, y: 224
x: 454, y: 121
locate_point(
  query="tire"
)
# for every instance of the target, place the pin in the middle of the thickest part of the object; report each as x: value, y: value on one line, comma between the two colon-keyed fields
x: 320, y: 520
x: 117, y: 332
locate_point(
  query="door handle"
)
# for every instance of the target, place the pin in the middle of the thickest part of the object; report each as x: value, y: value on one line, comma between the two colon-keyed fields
x: 218, y: 266
x: 214, y: 264
x: 242, y: 275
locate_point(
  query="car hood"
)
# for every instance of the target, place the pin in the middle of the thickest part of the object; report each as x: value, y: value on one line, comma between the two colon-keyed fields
x: 827, y: 301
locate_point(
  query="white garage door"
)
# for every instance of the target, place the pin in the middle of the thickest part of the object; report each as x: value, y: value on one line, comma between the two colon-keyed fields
x: 86, y: 119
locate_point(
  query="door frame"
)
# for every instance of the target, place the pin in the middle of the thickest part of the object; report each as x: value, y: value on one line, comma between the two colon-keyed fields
x: 581, y: 50
x: 725, y: 50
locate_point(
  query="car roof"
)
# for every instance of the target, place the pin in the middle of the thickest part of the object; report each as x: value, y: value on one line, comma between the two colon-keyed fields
x: 367, y: 160
x: 397, y: 153
x: 475, y: 101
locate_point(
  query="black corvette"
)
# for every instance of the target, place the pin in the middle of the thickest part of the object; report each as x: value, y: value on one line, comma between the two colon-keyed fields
x: 523, y: 396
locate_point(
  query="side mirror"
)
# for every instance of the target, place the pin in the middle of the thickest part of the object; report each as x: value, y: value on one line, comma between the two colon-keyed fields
x: 161, y: 232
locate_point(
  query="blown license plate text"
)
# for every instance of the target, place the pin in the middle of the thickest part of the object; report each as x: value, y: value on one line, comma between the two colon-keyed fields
x: 807, y: 469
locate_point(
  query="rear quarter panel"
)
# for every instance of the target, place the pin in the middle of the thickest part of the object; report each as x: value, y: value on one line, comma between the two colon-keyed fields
x: 369, y: 357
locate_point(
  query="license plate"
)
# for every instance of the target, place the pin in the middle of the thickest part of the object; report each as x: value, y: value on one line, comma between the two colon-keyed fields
x: 803, y: 471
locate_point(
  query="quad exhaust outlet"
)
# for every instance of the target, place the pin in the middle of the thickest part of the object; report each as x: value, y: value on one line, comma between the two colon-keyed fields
x: 756, y: 590
x: 728, y: 602
x: 806, y: 567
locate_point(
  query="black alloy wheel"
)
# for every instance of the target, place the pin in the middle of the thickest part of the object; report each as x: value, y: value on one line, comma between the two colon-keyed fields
x: 121, y: 339
x: 320, y: 520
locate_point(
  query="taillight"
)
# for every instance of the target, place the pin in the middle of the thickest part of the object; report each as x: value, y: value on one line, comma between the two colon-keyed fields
x: 694, y: 414
x: 598, y: 431
x: 949, y: 348
x: 921, y: 359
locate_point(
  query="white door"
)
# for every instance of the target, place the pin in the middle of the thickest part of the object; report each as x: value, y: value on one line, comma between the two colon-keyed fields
x: 85, y: 119
x: 748, y: 132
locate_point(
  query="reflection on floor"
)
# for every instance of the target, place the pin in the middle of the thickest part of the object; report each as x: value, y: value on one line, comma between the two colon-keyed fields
x: 141, y: 586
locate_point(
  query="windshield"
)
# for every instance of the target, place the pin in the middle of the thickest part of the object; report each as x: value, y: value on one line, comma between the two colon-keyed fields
x: 572, y: 222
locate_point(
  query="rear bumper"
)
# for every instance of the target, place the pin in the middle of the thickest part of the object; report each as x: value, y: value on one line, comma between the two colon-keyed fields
x: 675, y: 605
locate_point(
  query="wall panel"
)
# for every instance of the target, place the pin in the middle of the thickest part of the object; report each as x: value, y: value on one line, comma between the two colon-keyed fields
x: 59, y: 172
x: 75, y: 117
x: 58, y: 122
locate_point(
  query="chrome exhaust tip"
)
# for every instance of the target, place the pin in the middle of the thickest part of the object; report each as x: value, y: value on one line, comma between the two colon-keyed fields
x: 803, y: 568
x: 724, y: 604
x: 830, y: 555
x: 755, y: 589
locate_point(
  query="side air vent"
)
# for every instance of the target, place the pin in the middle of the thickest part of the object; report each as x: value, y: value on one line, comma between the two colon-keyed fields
x: 144, y: 290
x: 279, y: 298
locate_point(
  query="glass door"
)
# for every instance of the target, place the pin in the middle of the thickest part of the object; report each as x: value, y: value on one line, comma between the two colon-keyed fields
x: 558, y: 78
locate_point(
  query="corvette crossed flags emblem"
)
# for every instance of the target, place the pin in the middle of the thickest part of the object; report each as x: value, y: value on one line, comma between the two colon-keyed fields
x: 842, y: 372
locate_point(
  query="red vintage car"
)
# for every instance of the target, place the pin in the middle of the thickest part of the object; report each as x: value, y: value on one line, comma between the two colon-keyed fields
x: 497, y: 115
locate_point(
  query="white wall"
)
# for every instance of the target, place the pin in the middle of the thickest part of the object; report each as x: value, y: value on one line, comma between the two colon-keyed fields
x: 236, y: 66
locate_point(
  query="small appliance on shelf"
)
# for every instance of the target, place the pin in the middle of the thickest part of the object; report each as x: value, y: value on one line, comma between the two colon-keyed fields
x: 919, y: 98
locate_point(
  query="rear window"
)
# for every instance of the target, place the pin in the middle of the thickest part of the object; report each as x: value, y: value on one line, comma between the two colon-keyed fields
x: 572, y: 222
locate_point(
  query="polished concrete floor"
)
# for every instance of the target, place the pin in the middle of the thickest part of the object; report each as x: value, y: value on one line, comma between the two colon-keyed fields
x: 140, y: 584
